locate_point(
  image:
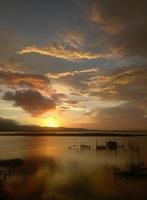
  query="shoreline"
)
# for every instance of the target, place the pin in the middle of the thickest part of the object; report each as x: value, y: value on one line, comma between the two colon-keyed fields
x: 77, y: 134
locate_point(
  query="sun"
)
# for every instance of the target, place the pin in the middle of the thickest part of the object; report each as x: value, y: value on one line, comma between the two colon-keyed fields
x: 51, y: 122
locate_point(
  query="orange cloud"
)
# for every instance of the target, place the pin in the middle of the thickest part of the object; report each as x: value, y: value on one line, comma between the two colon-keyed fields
x: 59, y: 51
x: 124, y: 84
x: 72, y: 73
x: 20, y: 80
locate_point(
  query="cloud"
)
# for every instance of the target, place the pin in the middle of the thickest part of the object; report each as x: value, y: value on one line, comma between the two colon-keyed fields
x: 117, y: 28
x: 126, y: 116
x: 124, y: 22
x: 117, y: 82
x: 74, y: 39
x: 10, y: 64
x: 31, y: 101
x: 125, y: 84
x: 17, y: 80
x: 57, y: 50
x: 72, y: 73
x: 37, y: 91
x: 98, y: 14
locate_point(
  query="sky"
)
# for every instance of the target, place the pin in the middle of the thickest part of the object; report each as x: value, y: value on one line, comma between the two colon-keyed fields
x: 74, y: 63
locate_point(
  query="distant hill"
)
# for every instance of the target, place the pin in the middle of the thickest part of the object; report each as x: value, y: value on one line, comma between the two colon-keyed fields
x: 16, y: 129
x: 11, y: 125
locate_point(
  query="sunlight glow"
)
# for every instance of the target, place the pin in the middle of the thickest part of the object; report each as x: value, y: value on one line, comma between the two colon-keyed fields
x: 51, y: 122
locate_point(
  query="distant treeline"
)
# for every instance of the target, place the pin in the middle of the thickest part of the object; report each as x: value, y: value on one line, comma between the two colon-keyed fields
x: 76, y: 134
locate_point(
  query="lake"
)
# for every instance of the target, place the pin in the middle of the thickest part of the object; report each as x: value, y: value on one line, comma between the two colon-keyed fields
x: 52, y: 171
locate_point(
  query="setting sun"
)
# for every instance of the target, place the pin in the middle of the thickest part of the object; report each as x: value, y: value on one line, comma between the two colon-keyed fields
x: 51, y: 122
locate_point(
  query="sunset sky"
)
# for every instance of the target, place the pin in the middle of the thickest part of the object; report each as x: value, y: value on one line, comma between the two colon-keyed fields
x: 74, y: 63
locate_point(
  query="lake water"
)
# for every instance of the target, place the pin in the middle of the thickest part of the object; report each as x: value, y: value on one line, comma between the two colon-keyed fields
x: 53, y: 172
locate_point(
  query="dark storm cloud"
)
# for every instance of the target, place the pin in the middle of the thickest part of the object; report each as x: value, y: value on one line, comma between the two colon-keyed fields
x: 124, y: 21
x: 31, y: 101
x: 20, y: 80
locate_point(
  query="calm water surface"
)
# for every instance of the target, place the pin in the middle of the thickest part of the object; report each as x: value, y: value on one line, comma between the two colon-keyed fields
x: 52, y: 172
